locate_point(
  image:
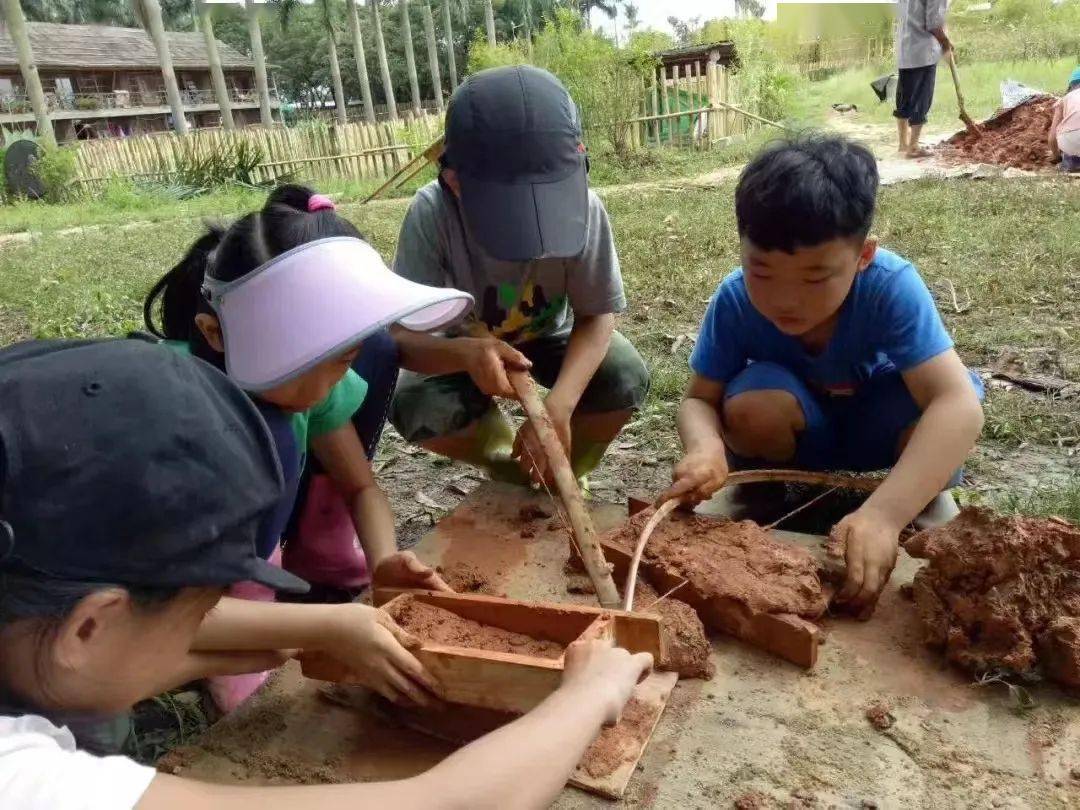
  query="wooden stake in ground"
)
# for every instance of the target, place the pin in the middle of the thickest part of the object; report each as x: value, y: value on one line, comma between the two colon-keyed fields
x: 580, y: 522
x: 969, y: 122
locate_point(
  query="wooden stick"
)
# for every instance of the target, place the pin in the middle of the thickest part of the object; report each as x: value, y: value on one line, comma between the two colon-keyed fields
x: 429, y: 155
x: 581, y: 524
x: 635, y: 561
x: 804, y: 477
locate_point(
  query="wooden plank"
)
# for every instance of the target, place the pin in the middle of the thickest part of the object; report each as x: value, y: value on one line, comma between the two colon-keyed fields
x: 652, y: 694
x: 664, y: 108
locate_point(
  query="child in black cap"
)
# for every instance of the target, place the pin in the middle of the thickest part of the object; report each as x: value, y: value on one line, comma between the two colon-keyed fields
x: 118, y: 538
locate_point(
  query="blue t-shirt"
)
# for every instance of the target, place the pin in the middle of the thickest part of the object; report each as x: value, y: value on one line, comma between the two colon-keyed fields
x: 888, y: 323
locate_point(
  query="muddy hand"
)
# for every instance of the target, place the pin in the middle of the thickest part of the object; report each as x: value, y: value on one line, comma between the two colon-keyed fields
x: 608, y: 673
x: 870, y: 546
x: 486, y: 361
x: 404, y: 570
x: 376, y: 653
x: 696, y: 478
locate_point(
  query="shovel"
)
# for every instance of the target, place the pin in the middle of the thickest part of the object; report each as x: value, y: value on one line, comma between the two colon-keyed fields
x: 973, y: 129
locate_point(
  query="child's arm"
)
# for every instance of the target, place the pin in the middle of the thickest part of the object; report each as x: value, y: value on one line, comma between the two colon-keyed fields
x: 342, y: 455
x: 522, y: 765
x: 703, y: 468
x: 484, y: 359
x: 365, y: 640
x: 585, y: 351
x: 951, y: 421
x: 1055, y: 122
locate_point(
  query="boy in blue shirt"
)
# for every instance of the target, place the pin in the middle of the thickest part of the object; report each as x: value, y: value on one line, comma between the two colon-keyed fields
x: 826, y: 352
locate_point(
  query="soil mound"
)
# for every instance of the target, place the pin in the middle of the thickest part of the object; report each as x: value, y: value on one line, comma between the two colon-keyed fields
x: 434, y: 624
x: 686, y: 649
x: 1015, y: 138
x: 727, y: 560
x: 1002, y: 593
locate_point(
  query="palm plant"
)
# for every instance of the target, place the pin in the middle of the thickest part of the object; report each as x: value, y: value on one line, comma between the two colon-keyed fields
x: 361, y: 60
x: 262, y: 84
x: 148, y: 14
x: 410, y: 55
x: 448, y: 25
x: 326, y: 11
x: 384, y: 65
x: 217, y: 75
x: 433, y: 54
x: 15, y: 22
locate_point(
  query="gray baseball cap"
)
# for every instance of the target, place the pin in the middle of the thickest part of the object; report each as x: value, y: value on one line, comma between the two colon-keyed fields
x: 513, y: 136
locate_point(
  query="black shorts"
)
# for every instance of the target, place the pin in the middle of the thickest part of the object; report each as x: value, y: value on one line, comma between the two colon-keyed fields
x: 915, y: 94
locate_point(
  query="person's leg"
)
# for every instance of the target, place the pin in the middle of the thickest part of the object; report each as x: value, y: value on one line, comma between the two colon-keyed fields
x: 902, y: 112
x: 921, y: 99
x: 770, y: 416
x: 449, y: 416
x: 616, y: 391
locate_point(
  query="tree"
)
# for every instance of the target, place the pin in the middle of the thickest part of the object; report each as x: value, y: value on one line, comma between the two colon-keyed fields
x: 489, y: 22
x: 685, y: 30
x: 24, y: 53
x: 262, y: 85
x: 325, y: 9
x: 410, y: 55
x: 433, y: 54
x: 750, y: 8
x: 384, y: 65
x: 609, y: 8
x: 148, y: 13
x: 217, y: 76
x: 361, y: 60
x: 632, y: 18
x: 451, y: 60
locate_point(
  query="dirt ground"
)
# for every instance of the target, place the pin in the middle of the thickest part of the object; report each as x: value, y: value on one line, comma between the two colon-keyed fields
x: 796, y: 738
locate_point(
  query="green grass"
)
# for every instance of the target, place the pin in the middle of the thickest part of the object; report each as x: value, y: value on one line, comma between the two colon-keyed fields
x: 980, y: 82
x: 1007, y: 247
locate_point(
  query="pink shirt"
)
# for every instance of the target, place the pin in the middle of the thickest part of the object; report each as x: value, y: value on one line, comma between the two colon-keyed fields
x: 1070, y: 112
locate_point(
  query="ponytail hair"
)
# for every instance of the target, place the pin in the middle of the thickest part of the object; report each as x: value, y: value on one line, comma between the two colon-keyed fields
x: 287, y: 220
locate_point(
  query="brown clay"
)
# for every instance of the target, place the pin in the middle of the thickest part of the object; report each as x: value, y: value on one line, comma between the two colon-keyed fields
x: 619, y: 743
x: 686, y: 649
x: 752, y: 801
x: 1002, y: 593
x: 880, y: 715
x: 439, y: 626
x: 733, y: 561
x: 1015, y: 138
x: 465, y: 577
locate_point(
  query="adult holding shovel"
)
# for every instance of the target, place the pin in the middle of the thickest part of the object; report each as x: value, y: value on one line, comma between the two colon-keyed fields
x: 921, y: 41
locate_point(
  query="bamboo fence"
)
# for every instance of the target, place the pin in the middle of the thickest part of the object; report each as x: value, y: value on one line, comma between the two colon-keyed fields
x: 314, y: 151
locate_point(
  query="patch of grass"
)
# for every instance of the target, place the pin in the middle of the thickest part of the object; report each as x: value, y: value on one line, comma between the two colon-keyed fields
x: 1006, y: 246
x: 981, y: 82
x: 1064, y: 502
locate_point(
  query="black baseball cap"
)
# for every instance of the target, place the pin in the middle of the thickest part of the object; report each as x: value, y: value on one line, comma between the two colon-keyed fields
x: 130, y: 463
x: 513, y: 135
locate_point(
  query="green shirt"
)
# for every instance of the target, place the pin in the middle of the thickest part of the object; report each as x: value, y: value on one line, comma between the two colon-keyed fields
x: 336, y: 410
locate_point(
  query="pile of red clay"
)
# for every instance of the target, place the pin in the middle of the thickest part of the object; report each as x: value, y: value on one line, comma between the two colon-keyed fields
x: 1002, y: 593
x: 737, y: 561
x: 438, y: 626
x: 1016, y: 137
x: 686, y: 649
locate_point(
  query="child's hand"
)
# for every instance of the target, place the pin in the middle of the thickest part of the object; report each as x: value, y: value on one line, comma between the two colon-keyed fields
x: 486, y: 361
x: 365, y: 646
x: 530, y: 453
x: 608, y: 674
x: 404, y: 570
x: 698, y: 476
x: 869, y: 543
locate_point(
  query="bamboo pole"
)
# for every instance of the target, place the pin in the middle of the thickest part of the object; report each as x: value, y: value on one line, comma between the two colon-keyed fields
x: 588, y: 543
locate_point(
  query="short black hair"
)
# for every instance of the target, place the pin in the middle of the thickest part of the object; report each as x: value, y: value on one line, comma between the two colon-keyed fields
x: 804, y: 191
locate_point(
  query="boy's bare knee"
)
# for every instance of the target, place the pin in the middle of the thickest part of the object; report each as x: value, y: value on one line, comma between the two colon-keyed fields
x: 763, y: 424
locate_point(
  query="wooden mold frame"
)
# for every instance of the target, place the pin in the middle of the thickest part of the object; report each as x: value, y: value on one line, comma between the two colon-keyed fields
x: 506, y: 681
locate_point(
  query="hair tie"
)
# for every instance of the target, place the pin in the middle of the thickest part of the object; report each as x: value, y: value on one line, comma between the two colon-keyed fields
x: 319, y: 202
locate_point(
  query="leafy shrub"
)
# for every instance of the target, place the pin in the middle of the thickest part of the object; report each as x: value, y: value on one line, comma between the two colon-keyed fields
x: 203, y: 166
x: 56, y: 168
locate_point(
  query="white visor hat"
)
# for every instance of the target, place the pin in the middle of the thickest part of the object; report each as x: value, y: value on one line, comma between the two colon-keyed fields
x: 315, y: 302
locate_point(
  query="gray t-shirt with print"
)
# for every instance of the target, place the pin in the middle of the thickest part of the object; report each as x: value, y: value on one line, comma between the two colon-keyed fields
x: 516, y: 301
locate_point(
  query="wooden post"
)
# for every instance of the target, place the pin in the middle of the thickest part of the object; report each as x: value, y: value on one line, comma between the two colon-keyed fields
x: 664, y: 107
x: 714, y: 113
x: 559, y: 465
x: 655, y: 109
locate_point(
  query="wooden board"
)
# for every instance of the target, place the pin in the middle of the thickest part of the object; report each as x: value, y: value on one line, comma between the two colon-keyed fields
x: 460, y: 725
x: 654, y: 692
x: 503, y: 681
